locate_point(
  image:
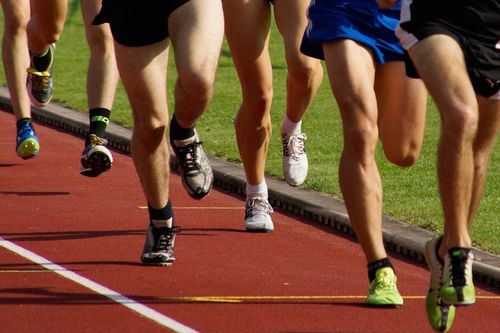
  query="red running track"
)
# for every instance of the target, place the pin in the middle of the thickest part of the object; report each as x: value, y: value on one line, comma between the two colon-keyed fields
x: 88, y: 234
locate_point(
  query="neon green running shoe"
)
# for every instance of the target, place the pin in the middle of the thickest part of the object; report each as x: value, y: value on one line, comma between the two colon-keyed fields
x: 458, y: 288
x: 383, y: 290
x: 439, y: 314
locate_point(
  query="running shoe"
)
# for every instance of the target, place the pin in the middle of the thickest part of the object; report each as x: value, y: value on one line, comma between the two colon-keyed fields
x: 383, y: 290
x: 439, y: 314
x: 159, y: 246
x: 39, y: 81
x: 295, y: 164
x: 197, y: 175
x: 27, y: 143
x: 257, y: 214
x: 458, y: 287
x: 96, y: 158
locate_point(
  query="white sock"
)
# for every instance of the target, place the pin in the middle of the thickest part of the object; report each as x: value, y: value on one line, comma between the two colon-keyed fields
x: 260, y: 189
x: 289, y: 127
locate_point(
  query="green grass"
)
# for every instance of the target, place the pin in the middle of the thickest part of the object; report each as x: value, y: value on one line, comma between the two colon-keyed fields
x: 409, y: 194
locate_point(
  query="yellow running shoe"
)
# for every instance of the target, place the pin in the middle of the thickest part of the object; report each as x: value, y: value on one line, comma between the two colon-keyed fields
x: 383, y: 290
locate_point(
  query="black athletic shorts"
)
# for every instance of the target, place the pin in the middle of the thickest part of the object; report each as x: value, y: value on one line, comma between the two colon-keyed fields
x: 137, y: 23
x: 474, y: 24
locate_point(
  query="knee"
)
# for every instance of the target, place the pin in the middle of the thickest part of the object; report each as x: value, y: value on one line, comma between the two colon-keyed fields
x: 258, y: 103
x: 16, y: 25
x: 150, y: 131
x: 461, y: 122
x: 52, y: 33
x: 198, y: 85
x: 304, y: 71
x: 403, y: 155
x: 99, y: 40
x: 361, y: 140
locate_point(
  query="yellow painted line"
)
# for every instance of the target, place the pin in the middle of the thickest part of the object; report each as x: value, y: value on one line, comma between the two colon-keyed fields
x: 241, y: 299
x: 202, y: 208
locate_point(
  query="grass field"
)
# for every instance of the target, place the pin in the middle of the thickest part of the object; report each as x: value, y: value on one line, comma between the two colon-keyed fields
x: 409, y: 194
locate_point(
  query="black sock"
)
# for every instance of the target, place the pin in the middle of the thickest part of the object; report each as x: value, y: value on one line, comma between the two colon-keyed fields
x: 179, y: 133
x: 99, y: 120
x: 162, y: 217
x: 22, y: 122
x: 375, y: 265
x: 43, y: 61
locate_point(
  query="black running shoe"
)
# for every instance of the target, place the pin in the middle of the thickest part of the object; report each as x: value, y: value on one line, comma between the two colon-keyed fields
x: 197, y: 175
x: 159, y: 246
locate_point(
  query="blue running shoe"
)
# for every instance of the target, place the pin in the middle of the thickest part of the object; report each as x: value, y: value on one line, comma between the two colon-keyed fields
x: 27, y: 143
x: 39, y: 82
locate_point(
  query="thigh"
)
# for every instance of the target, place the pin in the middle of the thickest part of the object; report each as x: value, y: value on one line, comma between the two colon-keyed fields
x: 489, y: 124
x: 291, y: 20
x: 143, y: 71
x: 16, y: 12
x: 196, y: 30
x: 90, y: 8
x: 49, y: 12
x: 440, y: 63
x: 351, y: 70
x: 95, y: 33
x: 247, y: 26
x: 402, y: 103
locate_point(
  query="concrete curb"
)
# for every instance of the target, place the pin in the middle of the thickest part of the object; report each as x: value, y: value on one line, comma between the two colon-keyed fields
x: 399, y: 237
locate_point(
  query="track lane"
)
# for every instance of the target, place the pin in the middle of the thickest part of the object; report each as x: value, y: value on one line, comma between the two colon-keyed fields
x: 95, y: 227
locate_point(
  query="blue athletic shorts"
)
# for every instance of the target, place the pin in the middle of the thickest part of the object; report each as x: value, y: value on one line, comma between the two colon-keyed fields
x: 358, y: 20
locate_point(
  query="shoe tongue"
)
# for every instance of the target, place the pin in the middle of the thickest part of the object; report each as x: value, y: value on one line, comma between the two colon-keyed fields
x: 383, y: 270
x: 459, y: 252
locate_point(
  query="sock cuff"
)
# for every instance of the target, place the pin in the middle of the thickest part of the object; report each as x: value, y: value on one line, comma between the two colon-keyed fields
x: 376, y: 265
x: 99, y: 114
x: 289, y: 127
x: 177, y: 132
x: 260, y: 189
x: 22, y: 122
x: 162, y: 217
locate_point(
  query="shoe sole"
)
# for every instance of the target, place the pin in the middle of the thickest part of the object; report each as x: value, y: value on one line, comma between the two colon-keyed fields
x: 383, y: 306
x: 98, y: 162
x: 162, y: 264
x: 29, y: 148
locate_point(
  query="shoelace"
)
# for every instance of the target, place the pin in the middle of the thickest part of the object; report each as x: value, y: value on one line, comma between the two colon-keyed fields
x: 165, y: 240
x: 258, y: 205
x: 458, y: 268
x: 40, y: 80
x: 97, y: 141
x: 189, y: 157
x: 25, y: 130
x: 293, y: 145
x: 387, y: 281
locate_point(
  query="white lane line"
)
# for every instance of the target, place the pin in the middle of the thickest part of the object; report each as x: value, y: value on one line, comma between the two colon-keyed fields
x: 115, y: 296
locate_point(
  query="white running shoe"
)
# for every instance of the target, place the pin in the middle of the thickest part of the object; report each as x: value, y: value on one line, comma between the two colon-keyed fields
x: 257, y: 214
x: 295, y: 164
